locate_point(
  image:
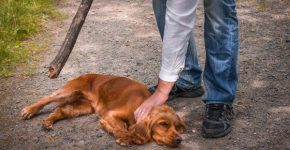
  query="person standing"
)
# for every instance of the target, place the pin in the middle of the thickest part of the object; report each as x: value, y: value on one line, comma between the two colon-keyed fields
x: 180, y: 73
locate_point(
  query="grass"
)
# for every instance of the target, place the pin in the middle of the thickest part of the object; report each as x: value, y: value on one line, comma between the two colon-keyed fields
x: 19, y: 21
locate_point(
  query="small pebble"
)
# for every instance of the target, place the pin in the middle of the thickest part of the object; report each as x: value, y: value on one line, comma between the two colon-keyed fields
x: 99, y: 133
x: 193, y: 131
x: 82, y: 142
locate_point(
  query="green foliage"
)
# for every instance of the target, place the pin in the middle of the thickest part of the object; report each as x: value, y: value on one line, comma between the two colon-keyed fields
x: 20, y: 19
x: 261, y: 4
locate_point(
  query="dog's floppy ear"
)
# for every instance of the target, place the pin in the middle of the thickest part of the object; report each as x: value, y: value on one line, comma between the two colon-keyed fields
x: 142, y: 132
x: 181, y: 127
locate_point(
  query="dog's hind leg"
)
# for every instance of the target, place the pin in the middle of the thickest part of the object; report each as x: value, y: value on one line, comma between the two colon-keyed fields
x: 74, y: 109
x: 63, y: 96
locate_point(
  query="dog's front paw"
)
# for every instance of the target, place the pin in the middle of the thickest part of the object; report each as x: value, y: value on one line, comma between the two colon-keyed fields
x: 28, y: 112
x: 47, y: 125
x: 123, y: 142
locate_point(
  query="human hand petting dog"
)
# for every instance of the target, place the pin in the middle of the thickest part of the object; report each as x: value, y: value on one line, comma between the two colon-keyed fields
x: 159, y: 97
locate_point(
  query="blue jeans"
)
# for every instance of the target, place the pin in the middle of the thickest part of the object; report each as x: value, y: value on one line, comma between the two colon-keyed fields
x: 221, y: 44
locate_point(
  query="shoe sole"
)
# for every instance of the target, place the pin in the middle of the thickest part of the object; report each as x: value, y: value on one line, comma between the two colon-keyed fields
x: 210, y: 135
x: 184, y: 95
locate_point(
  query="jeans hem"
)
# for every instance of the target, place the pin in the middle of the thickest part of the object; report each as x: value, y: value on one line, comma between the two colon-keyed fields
x: 185, y: 86
x: 218, y: 102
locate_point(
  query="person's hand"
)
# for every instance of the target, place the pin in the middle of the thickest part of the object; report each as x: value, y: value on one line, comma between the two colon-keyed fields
x: 159, y: 97
x: 154, y: 100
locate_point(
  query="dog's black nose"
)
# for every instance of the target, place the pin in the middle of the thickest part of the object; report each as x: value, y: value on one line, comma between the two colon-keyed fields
x: 177, y: 140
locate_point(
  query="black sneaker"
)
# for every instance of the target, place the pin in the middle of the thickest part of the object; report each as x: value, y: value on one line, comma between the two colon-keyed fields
x: 217, y: 120
x: 178, y: 92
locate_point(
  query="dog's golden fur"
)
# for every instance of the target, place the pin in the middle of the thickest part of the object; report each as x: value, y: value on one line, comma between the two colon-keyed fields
x: 114, y: 99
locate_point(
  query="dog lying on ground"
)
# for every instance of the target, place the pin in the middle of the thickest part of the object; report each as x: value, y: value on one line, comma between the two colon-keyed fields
x: 114, y: 99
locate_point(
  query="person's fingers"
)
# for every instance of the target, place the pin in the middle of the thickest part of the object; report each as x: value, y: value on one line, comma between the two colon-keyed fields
x: 139, y: 120
x: 141, y: 117
x: 137, y: 113
x: 143, y: 110
x: 143, y: 113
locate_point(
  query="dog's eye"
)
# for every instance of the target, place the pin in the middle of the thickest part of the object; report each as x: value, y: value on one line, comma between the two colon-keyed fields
x: 164, y: 124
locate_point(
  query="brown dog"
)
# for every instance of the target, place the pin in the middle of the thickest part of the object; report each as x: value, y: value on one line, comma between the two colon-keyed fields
x: 114, y: 99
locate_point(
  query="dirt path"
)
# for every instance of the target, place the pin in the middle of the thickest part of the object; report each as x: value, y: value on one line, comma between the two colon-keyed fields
x: 121, y: 38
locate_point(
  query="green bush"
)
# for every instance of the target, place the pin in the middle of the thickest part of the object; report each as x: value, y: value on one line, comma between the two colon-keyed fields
x: 20, y: 19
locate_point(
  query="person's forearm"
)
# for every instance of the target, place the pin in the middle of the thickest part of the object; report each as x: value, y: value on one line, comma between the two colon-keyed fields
x: 164, y: 89
x: 179, y: 22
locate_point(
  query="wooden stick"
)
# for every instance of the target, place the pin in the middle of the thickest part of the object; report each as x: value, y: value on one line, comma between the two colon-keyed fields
x: 59, y: 61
